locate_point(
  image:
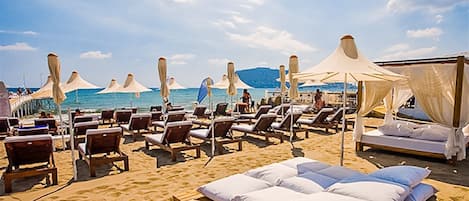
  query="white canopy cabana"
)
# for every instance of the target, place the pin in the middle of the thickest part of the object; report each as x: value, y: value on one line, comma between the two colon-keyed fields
x: 112, y: 88
x: 172, y: 84
x: 224, y: 83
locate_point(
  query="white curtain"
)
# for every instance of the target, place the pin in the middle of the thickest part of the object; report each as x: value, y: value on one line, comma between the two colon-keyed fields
x: 373, y: 93
x: 397, y: 97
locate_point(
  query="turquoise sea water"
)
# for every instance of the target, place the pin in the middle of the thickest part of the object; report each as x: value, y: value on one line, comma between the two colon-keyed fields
x: 88, y: 99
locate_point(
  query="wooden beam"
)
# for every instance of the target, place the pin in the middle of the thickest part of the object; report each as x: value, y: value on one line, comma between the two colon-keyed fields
x: 458, y: 92
x: 359, y: 95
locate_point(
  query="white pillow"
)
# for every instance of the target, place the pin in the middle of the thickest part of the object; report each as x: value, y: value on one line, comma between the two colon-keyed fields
x: 308, y: 183
x: 272, y: 173
x: 405, y: 175
x: 432, y: 133
x: 338, y: 172
x: 421, y: 192
x: 227, y: 188
x: 370, y: 188
x: 396, y: 129
x: 406, y: 123
x: 311, y: 167
x: 270, y: 194
x: 325, y: 196
x: 294, y: 162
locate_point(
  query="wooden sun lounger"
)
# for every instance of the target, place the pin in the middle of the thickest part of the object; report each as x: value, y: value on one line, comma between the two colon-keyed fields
x: 320, y: 120
x: 51, y: 123
x: 262, y: 127
x: 170, y: 117
x: 137, y: 122
x: 175, y: 132
x: 80, y: 130
x: 222, y: 134
x: 40, y: 130
x: 5, y: 128
x: 101, y: 141
x: 284, y: 125
x: 220, y: 110
x: 262, y: 110
x: 107, y: 115
x: 26, y: 150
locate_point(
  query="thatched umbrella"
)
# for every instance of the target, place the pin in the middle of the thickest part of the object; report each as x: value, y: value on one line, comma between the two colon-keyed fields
x: 111, y: 88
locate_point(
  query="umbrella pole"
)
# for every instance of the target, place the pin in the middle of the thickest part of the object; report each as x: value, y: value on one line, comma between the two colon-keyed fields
x: 344, y: 122
x: 72, y: 143
x: 59, y: 112
x: 212, y: 126
x: 291, y: 122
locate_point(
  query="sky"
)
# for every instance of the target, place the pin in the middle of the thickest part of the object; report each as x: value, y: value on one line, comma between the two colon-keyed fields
x: 111, y: 38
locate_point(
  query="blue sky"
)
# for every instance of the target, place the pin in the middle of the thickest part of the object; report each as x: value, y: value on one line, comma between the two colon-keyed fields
x: 108, y: 39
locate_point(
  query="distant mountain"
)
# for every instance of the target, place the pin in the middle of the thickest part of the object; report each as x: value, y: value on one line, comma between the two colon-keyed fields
x: 260, y: 77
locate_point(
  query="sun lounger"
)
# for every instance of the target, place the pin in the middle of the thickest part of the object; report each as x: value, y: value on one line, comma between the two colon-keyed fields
x: 241, y: 108
x: 156, y: 108
x: 170, y: 117
x: 27, y: 150
x: 14, y: 122
x: 220, y: 110
x: 137, y: 122
x: 102, y: 141
x: 262, y: 110
x: 49, y: 122
x: 5, y: 128
x: 280, y: 110
x: 80, y: 130
x: 133, y: 109
x: 36, y: 130
x: 107, y: 115
x: 79, y: 119
x: 156, y: 116
x: 199, y: 112
x: 320, y: 120
x: 262, y: 127
x: 284, y: 125
x: 222, y: 134
x: 122, y: 116
x: 174, y: 132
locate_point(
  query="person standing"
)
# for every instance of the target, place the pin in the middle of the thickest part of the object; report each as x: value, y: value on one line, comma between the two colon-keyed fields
x: 318, y: 102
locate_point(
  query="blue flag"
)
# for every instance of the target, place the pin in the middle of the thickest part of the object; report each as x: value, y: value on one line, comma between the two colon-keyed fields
x: 202, y: 91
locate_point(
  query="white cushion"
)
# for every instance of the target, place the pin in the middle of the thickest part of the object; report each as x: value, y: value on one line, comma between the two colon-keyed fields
x: 243, y: 128
x: 199, y: 133
x: 139, y: 115
x: 273, y: 173
x: 158, y: 123
x: 311, y: 166
x: 338, y: 172
x: 407, y: 123
x: 421, y: 192
x: 86, y: 123
x: 103, y: 131
x: 370, y: 188
x: 294, y: 162
x: 27, y: 138
x: 432, y: 133
x: 325, y: 196
x: 155, y: 137
x: 396, y: 129
x: 270, y: 194
x: 82, y: 147
x: 276, y: 125
x: 125, y: 126
x: 227, y: 188
x: 405, y: 175
x: 308, y: 183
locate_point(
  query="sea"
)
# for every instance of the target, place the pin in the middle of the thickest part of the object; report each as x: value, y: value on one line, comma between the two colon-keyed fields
x: 89, y: 100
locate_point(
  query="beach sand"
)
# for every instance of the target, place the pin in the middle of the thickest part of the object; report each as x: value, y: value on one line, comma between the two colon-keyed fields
x: 145, y: 181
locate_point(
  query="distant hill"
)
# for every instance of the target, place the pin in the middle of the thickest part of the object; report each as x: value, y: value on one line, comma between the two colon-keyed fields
x: 260, y: 77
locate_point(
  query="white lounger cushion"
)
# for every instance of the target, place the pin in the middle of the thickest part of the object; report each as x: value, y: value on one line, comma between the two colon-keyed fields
x: 273, y: 173
x: 103, y: 131
x: 243, y: 128
x: 86, y: 123
x: 370, y: 188
x: 421, y: 192
x: 139, y: 115
x: 156, y: 137
x: 27, y: 138
x: 158, y: 123
x: 406, y: 175
x: 227, y: 188
x: 308, y: 183
x: 294, y: 162
x: 338, y: 172
x: 199, y: 133
x: 270, y: 194
x: 325, y: 196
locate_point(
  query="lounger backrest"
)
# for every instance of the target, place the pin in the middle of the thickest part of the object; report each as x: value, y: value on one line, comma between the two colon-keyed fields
x: 156, y: 116
x: 221, y: 109
x: 13, y: 121
x: 103, y: 140
x: 199, y: 110
x: 337, y: 116
x: 262, y: 110
x: 264, y: 122
x: 222, y: 126
x: 33, y: 131
x: 79, y: 119
x: 176, y: 132
x: 283, y: 109
x: 286, y: 121
x: 322, y: 115
x: 22, y: 150
x: 156, y: 108
x: 175, y: 116
x: 80, y: 128
x: 51, y: 122
x: 4, y: 125
x: 123, y: 116
x: 107, y: 114
x: 139, y: 121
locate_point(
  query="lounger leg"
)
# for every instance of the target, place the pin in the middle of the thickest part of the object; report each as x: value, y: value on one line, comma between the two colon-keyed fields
x: 55, y: 180
x: 126, y: 164
x: 280, y: 135
x: 92, y: 170
x: 7, y: 183
x: 173, y: 156
x: 327, y: 130
x: 147, y: 146
x: 240, y: 145
x: 358, y: 146
x: 306, y: 134
x: 219, y: 147
x: 197, y: 152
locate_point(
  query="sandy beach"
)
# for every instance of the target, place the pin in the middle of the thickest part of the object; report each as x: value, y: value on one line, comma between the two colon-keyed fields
x: 145, y: 181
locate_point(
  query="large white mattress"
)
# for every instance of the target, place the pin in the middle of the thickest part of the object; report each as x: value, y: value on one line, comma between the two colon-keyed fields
x: 378, y: 138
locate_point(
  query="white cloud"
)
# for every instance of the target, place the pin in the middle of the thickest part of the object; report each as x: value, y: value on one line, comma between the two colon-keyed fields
x: 32, y: 33
x: 180, y: 59
x: 224, y: 23
x: 17, y: 47
x: 432, y: 6
x: 272, y: 39
x: 439, y: 18
x: 409, y: 54
x: 95, y: 55
x: 262, y: 63
x: 239, y: 19
x: 425, y: 33
x: 397, y: 47
x: 246, y: 6
x: 218, y: 61
x: 256, y: 2
x: 182, y: 1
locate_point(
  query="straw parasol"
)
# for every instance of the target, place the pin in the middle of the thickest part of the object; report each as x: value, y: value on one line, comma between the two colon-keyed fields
x: 5, y: 109
x: 132, y: 86
x: 283, y: 86
x: 347, y: 64
x: 112, y: 87
x: 164, y: 90
x: 172, y: 84
x: 75, y: 82
x: 59, y: 97
x: 224, y: 83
